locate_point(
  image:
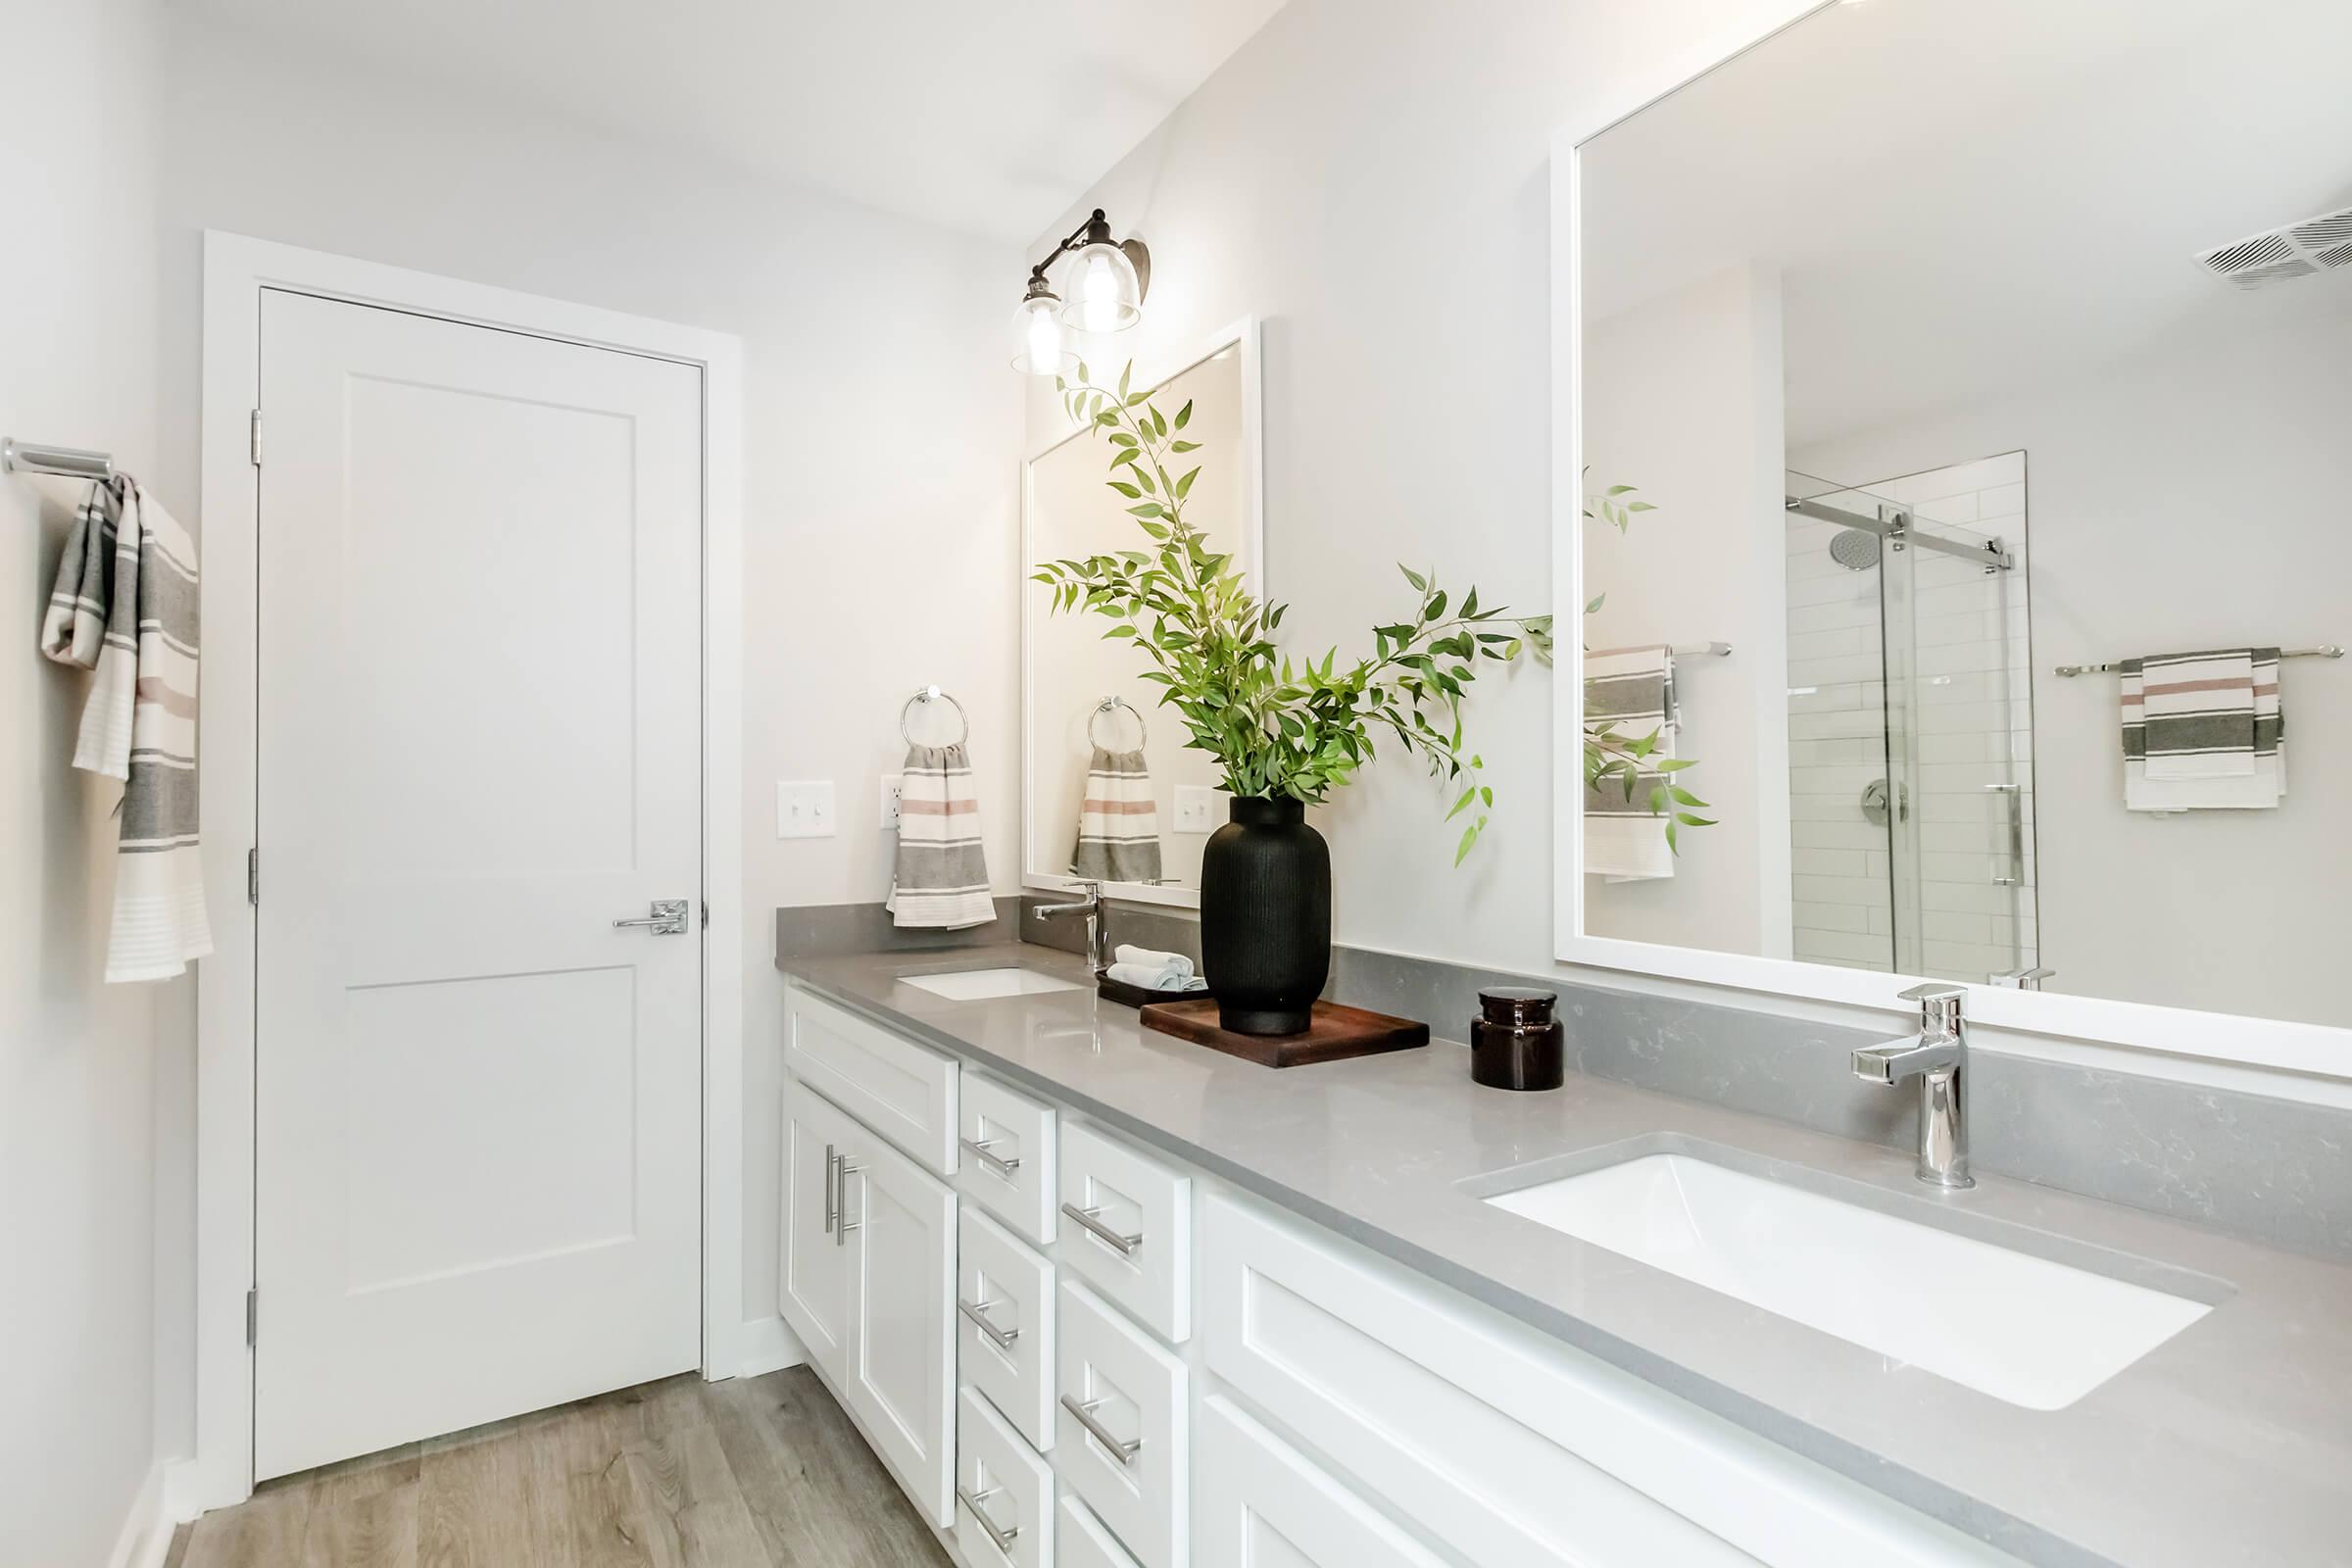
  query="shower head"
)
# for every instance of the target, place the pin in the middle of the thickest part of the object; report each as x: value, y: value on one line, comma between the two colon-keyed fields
x: 1855, y: 549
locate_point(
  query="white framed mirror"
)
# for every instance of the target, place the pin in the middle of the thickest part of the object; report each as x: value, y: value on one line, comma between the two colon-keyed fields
x: 1999, y: 433
x: 1110, y: 792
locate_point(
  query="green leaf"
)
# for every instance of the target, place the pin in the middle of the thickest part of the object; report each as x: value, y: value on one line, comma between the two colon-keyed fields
x: 1419, y: 582
x: 1126, y: 489
x: 1183, y: 486
x: 1184, y: 446
x: 1463, y: 805
x: 1184, y: 415
x: 1160, y: 422
x: 1150, y: 508
x: 1593, y: 604
x: 1469, y: 837
x: 1128, y: 370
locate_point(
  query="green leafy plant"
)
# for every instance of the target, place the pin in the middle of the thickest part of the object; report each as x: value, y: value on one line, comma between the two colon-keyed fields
x: 1623, y: 761
x: 1277, y: 728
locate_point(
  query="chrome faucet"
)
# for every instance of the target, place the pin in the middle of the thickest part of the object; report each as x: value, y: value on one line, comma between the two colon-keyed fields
x: 1098, y: 926
x: 1937, y: 1057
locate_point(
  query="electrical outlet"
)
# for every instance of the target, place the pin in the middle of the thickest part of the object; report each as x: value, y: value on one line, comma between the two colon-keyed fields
x: 890, y: 802
x: 1197, y: 808
x: 805, y: 811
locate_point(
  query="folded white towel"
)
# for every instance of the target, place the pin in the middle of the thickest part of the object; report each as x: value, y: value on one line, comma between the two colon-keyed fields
x: 1153, y: 959
x: 1146, y: 978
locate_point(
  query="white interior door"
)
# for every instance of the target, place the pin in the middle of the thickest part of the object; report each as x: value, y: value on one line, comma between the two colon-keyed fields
x: 477, y: 1103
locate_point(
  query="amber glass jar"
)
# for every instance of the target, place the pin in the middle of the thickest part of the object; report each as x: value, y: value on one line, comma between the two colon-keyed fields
x: 1516, y: 1042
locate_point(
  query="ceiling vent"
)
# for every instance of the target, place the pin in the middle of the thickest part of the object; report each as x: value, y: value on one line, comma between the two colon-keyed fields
x: 2291, y: 250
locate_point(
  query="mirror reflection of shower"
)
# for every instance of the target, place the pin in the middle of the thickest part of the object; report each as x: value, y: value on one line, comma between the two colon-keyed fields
x: 1910, y: 723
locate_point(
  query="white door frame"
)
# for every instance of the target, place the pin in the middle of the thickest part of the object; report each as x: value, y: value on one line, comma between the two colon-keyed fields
x: 237, y: 272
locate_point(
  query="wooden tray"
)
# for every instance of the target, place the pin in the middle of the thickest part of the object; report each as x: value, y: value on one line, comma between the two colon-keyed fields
x: 1336, y: 1034
x: 1127, y: 996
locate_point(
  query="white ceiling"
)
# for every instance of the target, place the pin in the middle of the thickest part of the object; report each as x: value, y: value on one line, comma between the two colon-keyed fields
x: 986, y: 116
x: 1966, y: 196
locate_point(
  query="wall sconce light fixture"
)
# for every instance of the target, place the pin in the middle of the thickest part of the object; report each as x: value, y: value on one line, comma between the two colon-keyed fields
x: 1106, y: 288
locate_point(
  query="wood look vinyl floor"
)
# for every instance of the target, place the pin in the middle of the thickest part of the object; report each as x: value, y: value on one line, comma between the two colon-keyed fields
x: 754, y: 1473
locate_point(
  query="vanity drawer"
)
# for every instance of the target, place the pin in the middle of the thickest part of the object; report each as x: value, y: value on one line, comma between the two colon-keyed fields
x: 1004, y: 1325
x: 1393, y: 1379
x: 903, y: 1091
x: 1081, y: 1542
x: 1003, y: 1493
x: 1122, y: 1444
x: 1008, y: 1157
x: 1263, y: 1506
x: 1127, y: 1229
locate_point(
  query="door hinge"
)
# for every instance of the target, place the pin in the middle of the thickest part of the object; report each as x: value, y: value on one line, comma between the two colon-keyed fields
x: 253, y: 1299
x: 257, y: 438
x: 706, y: 914
x: 253, y: 877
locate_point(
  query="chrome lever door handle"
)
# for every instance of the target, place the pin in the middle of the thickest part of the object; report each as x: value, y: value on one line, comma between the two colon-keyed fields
x: 1002, y: 1539
x: 1002, y: 1339
x: 1124, y: 1453
x: 668, y: 919
x: 1088, y: 1219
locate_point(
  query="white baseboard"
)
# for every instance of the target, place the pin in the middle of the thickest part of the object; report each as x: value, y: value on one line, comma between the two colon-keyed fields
x: 765, y: 1345
x: 145, y: 1539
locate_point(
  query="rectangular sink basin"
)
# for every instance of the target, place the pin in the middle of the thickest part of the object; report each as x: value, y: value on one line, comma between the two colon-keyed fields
x: 979, y: 985
x: 2019, y: 1327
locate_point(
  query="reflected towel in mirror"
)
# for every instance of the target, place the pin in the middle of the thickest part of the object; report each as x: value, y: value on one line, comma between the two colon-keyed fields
x: 1118, y: 821
x: 2204, y: 732
x: 1630, y: 691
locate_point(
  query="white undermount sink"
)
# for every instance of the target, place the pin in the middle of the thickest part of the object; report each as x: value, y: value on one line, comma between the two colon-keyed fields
x: 979, y: 985
x: 2019, y: 1327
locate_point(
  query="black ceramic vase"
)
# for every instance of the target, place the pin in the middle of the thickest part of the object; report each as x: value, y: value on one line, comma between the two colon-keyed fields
x: 1265, y: 918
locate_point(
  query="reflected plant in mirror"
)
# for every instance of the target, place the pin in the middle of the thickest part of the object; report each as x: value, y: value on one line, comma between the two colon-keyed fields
x: 1280, y: 729
x: 1617, y: 761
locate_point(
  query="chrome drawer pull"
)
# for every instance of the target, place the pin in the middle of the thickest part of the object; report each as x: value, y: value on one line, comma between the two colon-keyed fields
x: 1124, y: 1453
x: 832, y: 1202
x: 1124, y: 1246
x: 841, y: 1221
x: 998, y: 1166
x: 1002, y: 1339
x: 1002, y: 1540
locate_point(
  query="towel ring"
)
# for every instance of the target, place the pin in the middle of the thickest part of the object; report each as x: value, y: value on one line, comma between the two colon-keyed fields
x: 1110, y: 705
x: 932, y: 694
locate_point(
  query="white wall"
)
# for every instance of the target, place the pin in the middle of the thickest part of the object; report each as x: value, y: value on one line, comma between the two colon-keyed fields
x: 1685, y: 393
x: 881, y: 423
x: 2188, y: 497
x: 78, y: 1068
x: 1371, y: 179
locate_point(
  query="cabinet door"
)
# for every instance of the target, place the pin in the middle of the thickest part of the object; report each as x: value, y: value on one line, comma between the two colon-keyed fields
x: 902, y: 1225
x: 814, y: 1267
x: 1263, y: 1506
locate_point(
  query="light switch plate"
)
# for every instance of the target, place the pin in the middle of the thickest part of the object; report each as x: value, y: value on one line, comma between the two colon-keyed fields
x: 1197, y: 808
x: 805, y: 811
x: 890, y: 802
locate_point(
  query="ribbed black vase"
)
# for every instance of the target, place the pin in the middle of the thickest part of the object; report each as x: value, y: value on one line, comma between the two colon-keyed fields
x: 1265, y: 918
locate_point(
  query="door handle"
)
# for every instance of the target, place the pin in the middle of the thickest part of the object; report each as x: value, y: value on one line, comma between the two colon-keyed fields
x: 1122, y: 1451
x: 840, y: 1217
x: 1002, y: 1339
x: 668, y: 919
x: 832, y: 1189
x: 984, y: 1150
x: 1002, y: 1539
x: 1089, y: 1219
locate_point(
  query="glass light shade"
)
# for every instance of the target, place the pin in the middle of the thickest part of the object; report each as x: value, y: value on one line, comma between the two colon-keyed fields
x: 1041, y: 346
x: 1104, y: 293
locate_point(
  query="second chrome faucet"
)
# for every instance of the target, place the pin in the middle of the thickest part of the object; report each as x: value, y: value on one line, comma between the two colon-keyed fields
x: 1937, y: 1057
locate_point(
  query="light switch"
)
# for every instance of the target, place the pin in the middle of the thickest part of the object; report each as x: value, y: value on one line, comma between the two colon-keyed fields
x: 805, y: 811
x: 1197, y: 808
x: 890, y: 802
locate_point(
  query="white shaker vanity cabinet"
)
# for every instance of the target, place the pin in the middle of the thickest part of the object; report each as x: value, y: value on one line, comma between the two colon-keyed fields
x: 1157, y: 1369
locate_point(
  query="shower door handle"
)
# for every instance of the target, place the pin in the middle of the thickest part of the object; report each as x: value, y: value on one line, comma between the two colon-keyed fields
x: 2016, y: 794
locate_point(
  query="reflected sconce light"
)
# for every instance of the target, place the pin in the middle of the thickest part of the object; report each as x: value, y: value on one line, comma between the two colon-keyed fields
x: 1106, y: 283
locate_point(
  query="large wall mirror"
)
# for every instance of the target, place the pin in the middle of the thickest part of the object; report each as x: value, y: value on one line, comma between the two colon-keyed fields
x: 1980, y: 373
x: 1112, y: 793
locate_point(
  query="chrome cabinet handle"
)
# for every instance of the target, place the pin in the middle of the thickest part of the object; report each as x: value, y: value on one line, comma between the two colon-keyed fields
x: 842, y: 1224
x: 1124, y: 1453
x: 1002, y: 1539
x: 832, y: 1199
x: 983, y: 1150
x: 1087, y: 1219
x: 668, y: 919
x: 1002, y: 1339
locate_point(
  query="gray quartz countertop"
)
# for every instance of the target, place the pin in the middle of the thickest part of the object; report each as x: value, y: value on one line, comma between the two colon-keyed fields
x: 2229, y: 1444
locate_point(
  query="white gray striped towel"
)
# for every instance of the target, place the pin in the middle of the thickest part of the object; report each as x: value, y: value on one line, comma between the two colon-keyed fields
x: 125, y: 605
x: 1118, y: 821
x: 1630, y: 690
x: 940, y: 878
x: 2203, y: 731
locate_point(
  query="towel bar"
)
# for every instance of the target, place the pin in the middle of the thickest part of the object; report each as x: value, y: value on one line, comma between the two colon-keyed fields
x: 2325, y: 650
x: 932, y: 694
x: 65, y: 463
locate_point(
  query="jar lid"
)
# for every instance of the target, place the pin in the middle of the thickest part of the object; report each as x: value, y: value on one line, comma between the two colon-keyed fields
x: 1517, y: 1005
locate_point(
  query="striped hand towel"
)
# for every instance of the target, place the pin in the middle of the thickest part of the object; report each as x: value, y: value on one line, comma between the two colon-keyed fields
x: 2203, y: 731
x: 125, y: 606
x: 939, y: 879
x: 1118, y: 821
x: 1632, y: 691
